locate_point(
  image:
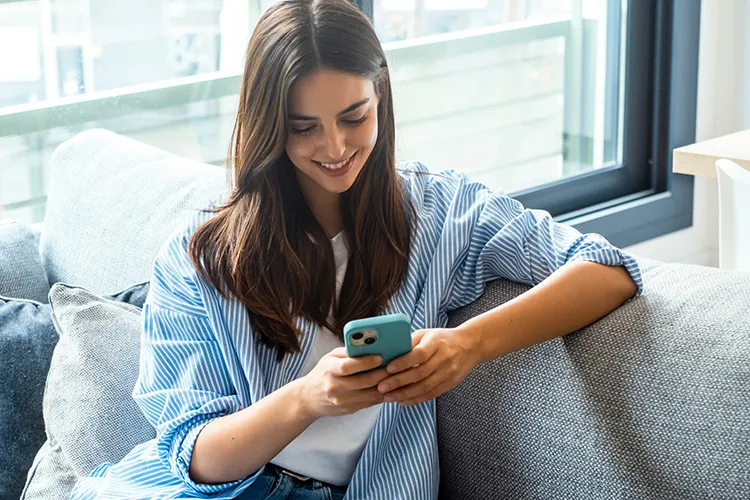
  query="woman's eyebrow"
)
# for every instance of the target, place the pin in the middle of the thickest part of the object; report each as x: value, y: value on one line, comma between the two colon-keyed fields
x: 349, y: 109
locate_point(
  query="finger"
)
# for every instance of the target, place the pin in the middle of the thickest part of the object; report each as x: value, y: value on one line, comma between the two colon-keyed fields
x: 359, y: 381
x: 414, y: 391
x: 406, y: 377
x: 369, y: 396
x: 438, y: 391
x: 361, y: 406
x: 350, y: 366
x: 419, y: 355
x: 416, y: 337
x: 363, y: 380
x: 338, y: 352
x: 365, y: 396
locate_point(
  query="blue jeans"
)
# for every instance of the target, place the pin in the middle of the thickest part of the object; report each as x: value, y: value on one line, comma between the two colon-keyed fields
x: 275, y: 485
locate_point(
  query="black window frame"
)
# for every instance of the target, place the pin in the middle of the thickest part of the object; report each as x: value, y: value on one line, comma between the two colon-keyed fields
x: 640, y: 199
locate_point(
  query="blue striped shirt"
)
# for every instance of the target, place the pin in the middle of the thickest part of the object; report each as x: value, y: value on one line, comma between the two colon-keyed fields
x: 199, y: 360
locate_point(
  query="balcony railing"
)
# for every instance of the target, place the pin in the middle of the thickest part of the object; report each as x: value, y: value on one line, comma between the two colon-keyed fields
x: 493, y: 102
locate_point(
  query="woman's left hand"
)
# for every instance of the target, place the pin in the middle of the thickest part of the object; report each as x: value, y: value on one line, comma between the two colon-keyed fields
x: 440, y: 358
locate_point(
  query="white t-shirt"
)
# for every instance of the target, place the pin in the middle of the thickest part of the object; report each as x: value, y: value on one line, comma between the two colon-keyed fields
x: 330, y: 448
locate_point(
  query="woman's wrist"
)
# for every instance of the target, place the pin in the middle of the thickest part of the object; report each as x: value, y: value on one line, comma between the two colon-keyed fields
x: 303, y: 408
x: 473, y: 338
x: 486, y: 334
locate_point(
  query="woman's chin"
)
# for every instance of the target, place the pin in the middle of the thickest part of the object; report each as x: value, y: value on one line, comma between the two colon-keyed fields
x: 338, y: 182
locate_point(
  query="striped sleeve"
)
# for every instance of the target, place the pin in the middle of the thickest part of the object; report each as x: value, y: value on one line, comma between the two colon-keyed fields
x: 183, y: 382
x: 496, y: 237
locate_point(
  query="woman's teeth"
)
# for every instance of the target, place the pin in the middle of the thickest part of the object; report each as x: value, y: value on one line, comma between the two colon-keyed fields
x: 336, y: 166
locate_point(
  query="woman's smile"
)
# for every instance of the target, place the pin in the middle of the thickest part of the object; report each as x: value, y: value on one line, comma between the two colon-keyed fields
x: 337, y: 169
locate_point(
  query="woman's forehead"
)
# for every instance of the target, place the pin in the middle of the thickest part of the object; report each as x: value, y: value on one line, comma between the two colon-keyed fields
x: 326, y: 92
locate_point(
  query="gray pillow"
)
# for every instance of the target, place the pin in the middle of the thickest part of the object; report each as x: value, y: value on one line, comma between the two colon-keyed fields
x: 88, y: 393
x: 21, y: 272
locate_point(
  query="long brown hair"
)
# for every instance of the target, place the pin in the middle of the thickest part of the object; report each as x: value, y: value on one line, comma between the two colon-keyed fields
x: 264, y: 245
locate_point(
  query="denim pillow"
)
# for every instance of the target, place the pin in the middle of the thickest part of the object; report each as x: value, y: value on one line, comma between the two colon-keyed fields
x: 27, y: 340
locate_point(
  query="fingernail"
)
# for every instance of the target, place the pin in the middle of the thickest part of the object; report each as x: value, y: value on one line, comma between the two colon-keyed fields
x: 385, y: 388
x: 390, y: 399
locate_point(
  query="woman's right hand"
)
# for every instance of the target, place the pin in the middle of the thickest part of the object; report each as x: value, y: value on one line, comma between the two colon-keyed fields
x: 337, y: 387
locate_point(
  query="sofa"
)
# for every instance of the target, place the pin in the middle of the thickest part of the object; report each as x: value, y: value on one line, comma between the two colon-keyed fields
x: 650, y: 402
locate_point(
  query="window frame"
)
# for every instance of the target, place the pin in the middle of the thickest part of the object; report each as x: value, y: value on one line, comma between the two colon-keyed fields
x: 668, y: 206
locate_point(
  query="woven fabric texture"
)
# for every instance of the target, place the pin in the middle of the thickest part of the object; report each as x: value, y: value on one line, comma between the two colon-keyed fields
x: 22, y: 275
x: 112, y: 204
x: 652, y: 401
x: 89, y: 414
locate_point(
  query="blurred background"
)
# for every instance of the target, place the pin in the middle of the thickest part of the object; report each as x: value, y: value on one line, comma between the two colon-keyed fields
x: 518, y: 93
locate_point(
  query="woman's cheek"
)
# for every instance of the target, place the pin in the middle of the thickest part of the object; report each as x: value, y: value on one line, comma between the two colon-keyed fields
x: 368, y: 135
x: 298, y: 147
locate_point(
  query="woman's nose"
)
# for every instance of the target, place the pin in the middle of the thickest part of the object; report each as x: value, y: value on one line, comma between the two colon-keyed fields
x: 335, y: 146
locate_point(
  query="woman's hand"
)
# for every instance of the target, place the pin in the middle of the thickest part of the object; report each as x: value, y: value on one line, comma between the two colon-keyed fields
x: 440, y: 358
x: 336, y: 385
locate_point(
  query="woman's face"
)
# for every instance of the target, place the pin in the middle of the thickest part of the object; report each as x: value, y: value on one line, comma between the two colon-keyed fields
x: 333, y: 126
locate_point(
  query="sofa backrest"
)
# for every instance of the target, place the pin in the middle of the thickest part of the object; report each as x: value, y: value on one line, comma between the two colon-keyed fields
x: 111, y: 205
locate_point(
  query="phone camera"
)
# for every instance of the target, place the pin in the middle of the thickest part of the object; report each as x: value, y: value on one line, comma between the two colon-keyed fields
x: 357, y: 336
x: 370, y: 340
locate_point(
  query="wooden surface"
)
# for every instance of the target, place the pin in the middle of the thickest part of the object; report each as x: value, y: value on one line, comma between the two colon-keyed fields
x: 700, y: 158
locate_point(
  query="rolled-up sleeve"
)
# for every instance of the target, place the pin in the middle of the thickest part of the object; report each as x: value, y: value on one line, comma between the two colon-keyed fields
x: 493, y: 236
x: 183, y: 382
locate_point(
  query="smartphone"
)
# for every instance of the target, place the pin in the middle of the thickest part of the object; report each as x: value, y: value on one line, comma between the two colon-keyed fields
x: 389, y: 336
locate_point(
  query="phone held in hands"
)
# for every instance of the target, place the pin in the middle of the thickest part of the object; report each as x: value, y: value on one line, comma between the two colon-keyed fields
x: 389, y: 336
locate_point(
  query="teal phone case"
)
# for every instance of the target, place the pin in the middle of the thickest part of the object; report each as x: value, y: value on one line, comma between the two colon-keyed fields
x: 392, y: 336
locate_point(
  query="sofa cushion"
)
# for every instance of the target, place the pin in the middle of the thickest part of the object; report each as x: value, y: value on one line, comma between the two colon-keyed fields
x: 112, y: 203
x: 27, y: 340
x: 21, y: 272
x: 89, y: 413
x: 649, y: 402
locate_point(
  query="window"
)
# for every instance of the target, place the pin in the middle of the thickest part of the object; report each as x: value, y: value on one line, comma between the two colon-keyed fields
x: 164, y: 72
x: 572, y: 106
x: 517, y: 94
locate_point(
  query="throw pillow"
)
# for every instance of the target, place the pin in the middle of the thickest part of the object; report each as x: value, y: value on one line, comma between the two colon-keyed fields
x: 21, y: 272
x: 27, y: 338
x: 27, y: 341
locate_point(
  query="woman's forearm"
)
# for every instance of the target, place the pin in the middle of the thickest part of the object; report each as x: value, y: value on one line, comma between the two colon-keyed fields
x: 235, y: 446
x: 574, y: 296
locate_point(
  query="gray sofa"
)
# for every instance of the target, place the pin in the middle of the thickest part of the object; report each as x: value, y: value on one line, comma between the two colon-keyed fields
x: 652, y: 401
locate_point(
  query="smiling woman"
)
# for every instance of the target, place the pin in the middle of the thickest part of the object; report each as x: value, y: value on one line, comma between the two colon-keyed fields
x: 333, y: 129
x: 242, y: 366
x: 307, y: 105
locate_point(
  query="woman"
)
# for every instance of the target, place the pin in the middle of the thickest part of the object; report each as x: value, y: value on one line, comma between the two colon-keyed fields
x: 242, y: 370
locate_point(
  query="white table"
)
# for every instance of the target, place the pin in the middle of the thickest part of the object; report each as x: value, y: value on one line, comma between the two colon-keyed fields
x: 700, y: 158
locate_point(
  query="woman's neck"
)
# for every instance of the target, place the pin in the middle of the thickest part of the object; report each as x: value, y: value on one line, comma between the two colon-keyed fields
x: 326, y: 207
x: 328, y: 213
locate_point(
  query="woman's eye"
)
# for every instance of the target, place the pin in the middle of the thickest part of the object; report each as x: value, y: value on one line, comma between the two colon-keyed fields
x: 356, y: 122
x: 303, y: 131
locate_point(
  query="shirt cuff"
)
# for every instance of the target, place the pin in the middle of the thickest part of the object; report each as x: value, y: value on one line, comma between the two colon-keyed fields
x: 187, y: 439
x: 612, y: 256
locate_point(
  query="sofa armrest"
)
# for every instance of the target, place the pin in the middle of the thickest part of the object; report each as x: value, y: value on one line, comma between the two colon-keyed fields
x: 649, y: 402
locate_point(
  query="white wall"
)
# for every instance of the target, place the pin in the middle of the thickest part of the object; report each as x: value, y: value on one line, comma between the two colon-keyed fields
x: 723, y: 107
